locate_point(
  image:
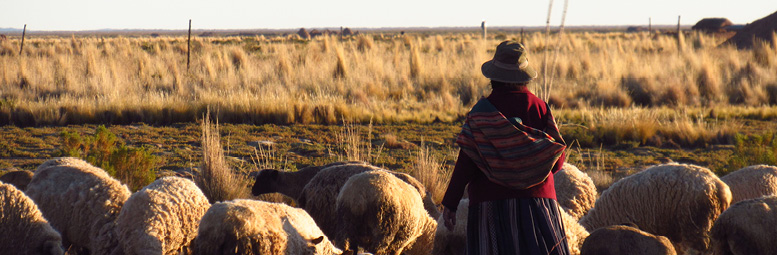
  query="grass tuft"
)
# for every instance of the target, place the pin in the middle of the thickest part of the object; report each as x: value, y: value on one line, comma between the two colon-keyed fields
x: 216, y: 178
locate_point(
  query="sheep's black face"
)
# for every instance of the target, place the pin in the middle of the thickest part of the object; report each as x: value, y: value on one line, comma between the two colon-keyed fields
x: 265, y: 182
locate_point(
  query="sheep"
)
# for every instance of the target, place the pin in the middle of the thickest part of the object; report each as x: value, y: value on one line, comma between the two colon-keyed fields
x: 19, y: 179
x: 289, y: 183
x: 63, y: 161
x: 454, y: 242
x: 752, y: 182
x: 678, y: 201
x: 161, y: 218
x: 256, y: 227
x: 747, y: 227
x: 81, y: 202
x: 319, y: 194
x: 384, y: 215
x: 23, y: 230
x: 575, y: 190
x: 620, y: 239
x: 574, y: 232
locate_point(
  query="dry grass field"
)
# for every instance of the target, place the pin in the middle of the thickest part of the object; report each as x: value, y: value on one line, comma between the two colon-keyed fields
x: 131, y: 106
x: 616, y: 96
x: 387, y: 79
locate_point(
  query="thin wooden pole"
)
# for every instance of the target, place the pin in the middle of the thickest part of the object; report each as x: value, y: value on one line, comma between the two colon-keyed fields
x: 189, y: 45
x: 680, y: 38
x: 483, y: 27
x: 544, y: 89
x: 24, y: 32
x: 650, y: 25
x: 678, y: 24
x: 556, y: 52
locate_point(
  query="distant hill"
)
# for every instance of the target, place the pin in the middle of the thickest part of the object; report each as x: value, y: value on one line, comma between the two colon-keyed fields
x: 9, y: 30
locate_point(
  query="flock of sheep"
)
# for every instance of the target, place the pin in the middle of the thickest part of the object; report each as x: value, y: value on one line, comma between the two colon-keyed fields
x: 350, y: 207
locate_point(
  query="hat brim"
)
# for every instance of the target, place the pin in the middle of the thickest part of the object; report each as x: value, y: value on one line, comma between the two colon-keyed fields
x: 496, y: 73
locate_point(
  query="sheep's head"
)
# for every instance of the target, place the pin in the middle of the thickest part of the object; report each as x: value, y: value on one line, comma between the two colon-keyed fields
x: 265, y: 182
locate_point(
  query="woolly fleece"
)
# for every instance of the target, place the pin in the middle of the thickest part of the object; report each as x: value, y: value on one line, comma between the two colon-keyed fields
x: 674, y: 200
x: 255, y: 227
x: 23, y: 230
x: 162, y: 218
x: 752, y: 182
x: 575, y: 190
x: 81, y: 202
x: 625, y: 240
x: 384, y: 215
x: 747, y: 227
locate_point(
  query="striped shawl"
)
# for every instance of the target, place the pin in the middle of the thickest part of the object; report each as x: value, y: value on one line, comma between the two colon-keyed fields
x: 509, y: 153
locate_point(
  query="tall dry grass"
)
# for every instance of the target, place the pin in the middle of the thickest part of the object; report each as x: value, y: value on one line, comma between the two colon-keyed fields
x: 432, y: 172
x: 416, y: 78
x: 216, y: 178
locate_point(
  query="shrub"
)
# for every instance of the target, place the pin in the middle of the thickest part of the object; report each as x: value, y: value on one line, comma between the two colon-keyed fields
x: 752, y: 150
x: 132, y: 166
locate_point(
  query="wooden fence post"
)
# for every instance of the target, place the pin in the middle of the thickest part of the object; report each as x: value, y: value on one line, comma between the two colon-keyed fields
x: 483, y: 27
x: 650, y: 25
x: 678, y: 24
x: 189, y: 46
x: 24, y: 32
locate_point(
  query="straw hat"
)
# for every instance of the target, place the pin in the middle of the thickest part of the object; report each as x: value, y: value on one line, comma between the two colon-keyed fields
x: 509, y: 65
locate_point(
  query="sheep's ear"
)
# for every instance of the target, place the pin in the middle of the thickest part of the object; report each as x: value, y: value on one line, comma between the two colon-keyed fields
x: 318, y: 240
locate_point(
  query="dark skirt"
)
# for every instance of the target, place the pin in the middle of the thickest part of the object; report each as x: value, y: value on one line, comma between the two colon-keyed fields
x: 516, y: 226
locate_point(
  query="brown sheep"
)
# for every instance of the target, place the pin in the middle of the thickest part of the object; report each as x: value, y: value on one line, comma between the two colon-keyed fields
x: 19, y: 179
x: 747, y: 227
x: 618, y: 239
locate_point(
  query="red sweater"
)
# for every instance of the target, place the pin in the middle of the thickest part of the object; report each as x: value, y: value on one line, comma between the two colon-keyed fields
x: 532, y: 110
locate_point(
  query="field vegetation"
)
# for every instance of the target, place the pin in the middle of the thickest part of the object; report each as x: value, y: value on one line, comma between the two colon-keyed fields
x: 623, y: 100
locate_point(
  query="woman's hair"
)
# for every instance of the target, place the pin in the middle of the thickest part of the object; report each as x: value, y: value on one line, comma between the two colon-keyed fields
x: 499, y: 84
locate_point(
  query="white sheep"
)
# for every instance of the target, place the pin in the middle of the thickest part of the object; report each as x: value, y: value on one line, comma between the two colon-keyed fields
x: 81, y: 202
x: 256, y: 227
x: 384, y: 215
x: 63, y: 161
x: 619, y: 239
x: 161, y: 218
x: 751, y: 182
x: 319, y: 195
x: 19, y: 179
x: 747, y: 227
x: 574, y: 232
x: 575, y: 190
x: 23, y: 230
x: 454, y: 242
x: 674, y: 200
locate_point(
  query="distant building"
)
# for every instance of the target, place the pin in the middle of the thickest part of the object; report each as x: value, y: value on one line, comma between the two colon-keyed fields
x: 712, y: 25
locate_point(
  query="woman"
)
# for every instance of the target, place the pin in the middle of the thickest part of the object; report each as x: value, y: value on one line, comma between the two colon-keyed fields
x: 510, y: 148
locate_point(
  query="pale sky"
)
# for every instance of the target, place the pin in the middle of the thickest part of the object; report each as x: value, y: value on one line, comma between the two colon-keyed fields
x: 243, y: 14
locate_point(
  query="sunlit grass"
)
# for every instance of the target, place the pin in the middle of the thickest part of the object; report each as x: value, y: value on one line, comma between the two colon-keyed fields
x: 416, y: 78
